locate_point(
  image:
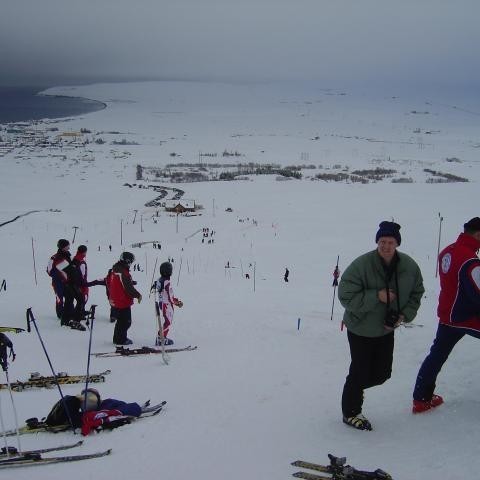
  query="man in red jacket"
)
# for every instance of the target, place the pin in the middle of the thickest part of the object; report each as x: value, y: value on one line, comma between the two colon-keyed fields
x: 458, y: 310
x: 121, y: 293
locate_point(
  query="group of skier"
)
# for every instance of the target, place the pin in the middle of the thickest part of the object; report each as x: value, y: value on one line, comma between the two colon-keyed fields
x: 70, y: 284
x: 381, y: 290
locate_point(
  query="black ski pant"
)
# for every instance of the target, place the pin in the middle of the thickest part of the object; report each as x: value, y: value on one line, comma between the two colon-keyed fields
x: 371, y: 365
x: 123, y: 317
x: 72, y: 293
x: 59, y: 289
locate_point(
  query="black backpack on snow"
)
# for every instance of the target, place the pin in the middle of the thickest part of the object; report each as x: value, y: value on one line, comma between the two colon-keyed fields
x: 59, y: 416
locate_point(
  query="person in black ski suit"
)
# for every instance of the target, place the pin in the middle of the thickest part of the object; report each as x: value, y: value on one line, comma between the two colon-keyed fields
x: 56, y: 274
x: 66, y: 283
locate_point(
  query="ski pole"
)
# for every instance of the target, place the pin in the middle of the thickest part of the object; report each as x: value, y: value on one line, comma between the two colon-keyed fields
x: 87, y: 378
x: 2, y: 424
x: 34, y: 265
x: 153, y: 276
x: 336, y: 274
x: 179, y: 270
x: 5, y: 343
x: 15, y: 416
x: 438, y: 247
x: 146, y: 265
x: 31, y: 318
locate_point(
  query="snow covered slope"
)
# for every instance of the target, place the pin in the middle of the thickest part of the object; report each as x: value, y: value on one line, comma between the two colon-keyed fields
x: 258, y: 393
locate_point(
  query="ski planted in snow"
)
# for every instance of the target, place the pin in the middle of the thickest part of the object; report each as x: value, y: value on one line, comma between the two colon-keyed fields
x: 126, y: 352
x: 12, y: 451
x: 33, y: 425
x: 38, y: 381
x: 338, y: 470
x: 37, y: 459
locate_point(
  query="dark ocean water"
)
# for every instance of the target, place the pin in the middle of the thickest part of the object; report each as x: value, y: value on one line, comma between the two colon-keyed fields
x: 19, y: 104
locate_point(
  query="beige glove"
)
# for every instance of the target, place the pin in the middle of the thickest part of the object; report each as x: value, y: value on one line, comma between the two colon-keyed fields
x: 139, y: 299
x: 179, y: 303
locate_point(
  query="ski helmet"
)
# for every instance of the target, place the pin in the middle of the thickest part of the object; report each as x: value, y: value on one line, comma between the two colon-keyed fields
x: 166, y: 269
x: 62, y: 243
x: 127, y: 257
x: 92, y: 398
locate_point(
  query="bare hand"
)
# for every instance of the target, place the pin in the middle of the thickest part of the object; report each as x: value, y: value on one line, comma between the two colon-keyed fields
x: 400, y: 320
x: 382, y: 295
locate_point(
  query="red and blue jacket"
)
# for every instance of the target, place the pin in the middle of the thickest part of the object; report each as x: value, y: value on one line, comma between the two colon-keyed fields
x: 81, y: 266
x: 459, y: 299
x: 58, y: 266
x: 121, y: 291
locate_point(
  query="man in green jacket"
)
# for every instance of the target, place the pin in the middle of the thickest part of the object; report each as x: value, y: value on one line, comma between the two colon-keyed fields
x: 379, y: 290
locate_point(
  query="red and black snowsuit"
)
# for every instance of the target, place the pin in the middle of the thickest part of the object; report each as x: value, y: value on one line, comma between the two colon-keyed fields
x: 121, y: 293
x: 459, y: 300
x: 66, y: 284
x: 458, y: 309
x: 59, y: 277
x: 81, y: 265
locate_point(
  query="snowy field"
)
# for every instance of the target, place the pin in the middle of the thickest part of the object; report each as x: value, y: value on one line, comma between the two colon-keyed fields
x: 258, y: 393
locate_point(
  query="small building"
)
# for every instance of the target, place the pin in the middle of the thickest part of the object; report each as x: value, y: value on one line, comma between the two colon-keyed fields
x: 180, y: 206
x: 74, y: 135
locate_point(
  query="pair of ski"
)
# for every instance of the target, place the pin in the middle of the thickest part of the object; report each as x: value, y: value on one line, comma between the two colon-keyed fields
x: 33, y: 425
x: 126, y: 352
x: 38, y: 381
x: 338, y: 471
x: 34, y: 457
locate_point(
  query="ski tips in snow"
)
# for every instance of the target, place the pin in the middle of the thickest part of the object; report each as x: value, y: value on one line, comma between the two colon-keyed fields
x: 153, y: 408
x: 12, y: 451
x: 12, y: 329
x: 36, y: 459
x: 338, y: 471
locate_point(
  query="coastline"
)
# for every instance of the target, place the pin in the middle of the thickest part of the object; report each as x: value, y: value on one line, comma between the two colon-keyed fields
x: 76, y: 97
x: 36, y: 104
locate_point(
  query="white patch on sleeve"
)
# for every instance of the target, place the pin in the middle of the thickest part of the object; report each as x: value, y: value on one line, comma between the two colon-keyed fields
x: 476, y: 276
x: 62, y: 265
x: 446, y: 262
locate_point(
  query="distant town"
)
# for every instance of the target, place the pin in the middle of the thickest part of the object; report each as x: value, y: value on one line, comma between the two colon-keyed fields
x: 44, y: 139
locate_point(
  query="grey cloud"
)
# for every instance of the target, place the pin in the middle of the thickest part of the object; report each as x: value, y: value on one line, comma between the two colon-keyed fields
x: 339, y: 41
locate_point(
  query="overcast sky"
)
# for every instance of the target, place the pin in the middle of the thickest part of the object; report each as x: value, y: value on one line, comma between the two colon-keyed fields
x: 336, y: 42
